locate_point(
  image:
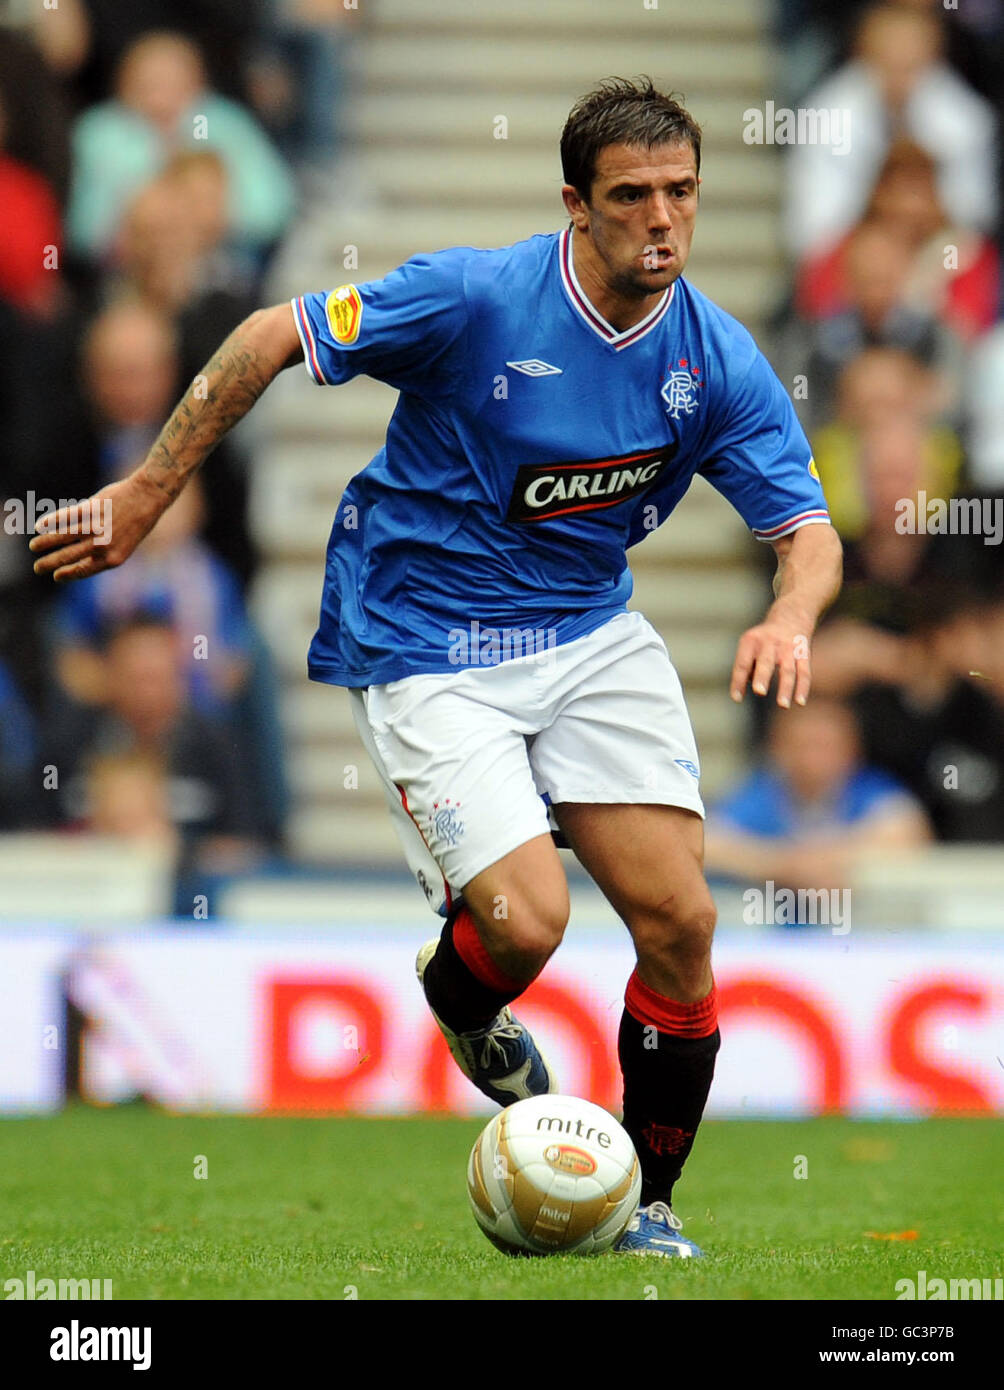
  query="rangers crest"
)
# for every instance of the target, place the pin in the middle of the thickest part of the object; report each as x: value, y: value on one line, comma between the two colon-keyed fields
x: 679, y: 391
x: 447, y: 826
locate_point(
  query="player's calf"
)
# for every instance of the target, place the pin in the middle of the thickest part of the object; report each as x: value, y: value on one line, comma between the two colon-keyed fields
x: 469, y: 1000
x: 673, y: 947
x: 492, y: 947
x: 519, y: 914
x: 668, y: 1041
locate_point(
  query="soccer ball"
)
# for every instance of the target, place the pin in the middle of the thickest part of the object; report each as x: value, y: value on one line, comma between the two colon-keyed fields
x: 553, y: 1175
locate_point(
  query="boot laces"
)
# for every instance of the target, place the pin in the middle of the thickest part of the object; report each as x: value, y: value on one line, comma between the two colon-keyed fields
x: 664, y: 1215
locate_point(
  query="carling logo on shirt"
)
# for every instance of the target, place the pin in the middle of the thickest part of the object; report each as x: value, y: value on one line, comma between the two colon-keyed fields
x: 545, y: 490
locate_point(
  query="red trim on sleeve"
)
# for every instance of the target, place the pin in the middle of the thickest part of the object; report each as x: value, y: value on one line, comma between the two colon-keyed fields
x: 307, y: 340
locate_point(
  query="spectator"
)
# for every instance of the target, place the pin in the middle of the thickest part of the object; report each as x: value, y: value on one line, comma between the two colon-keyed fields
x: 20, y: 775
x: 881, y: 597
x: 803, y: 818
x: 171, y: 254
x: 144, y: 712
x: 934, y: 728
x: 224, y: 31
x: 988, y: 648
x: 61, y: 32
x: 130, y: 372
x: 896, y: 84
x: 877, y: 263
x: 985, y: 411
x: 177, y: 576
x: 133, y: 373
x: 299, y: 80
x: 32, y: 240
x: 161, y: 105
x: 128, y: 795
x: 954, y: 272
x: 879, y: 386
x: 37, y: 111
x: 815, y: 35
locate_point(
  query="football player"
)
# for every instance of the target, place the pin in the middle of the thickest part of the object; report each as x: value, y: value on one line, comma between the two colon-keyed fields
x: 557, y: 397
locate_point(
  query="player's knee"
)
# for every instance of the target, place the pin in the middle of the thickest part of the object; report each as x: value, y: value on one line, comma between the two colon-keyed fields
x: 522, y: 932
x: 678, y: 937
x: 537, y: 934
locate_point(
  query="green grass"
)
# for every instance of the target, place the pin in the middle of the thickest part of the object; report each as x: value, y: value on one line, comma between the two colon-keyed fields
x: 315, y: 1208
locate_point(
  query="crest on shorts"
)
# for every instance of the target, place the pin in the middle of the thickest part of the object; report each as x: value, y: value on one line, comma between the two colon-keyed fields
x: 446, y: 823
x: 679, y: 390
x: 344, y: 309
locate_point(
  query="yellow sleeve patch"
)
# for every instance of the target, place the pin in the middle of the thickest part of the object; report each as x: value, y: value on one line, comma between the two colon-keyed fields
x: 813, y: 469
x: 344, y: 309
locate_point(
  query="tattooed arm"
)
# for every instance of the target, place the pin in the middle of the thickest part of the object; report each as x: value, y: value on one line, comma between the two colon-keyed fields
x: 103, y: 531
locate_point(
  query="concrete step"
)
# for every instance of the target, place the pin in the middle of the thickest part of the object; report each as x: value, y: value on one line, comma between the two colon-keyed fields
x: 319, y: 717
x: 673, y: 596
x: 381, y: 118
x: 293, y: 525
x: 410, y: 60
x: 358, y: 835
x: 504, y: 176
x: 361, y: 832
x: 382, y: 244
x: 323, y: 775
x: 745, y: 287
x: 319, y: 468
x: 296, y: 488
x: 288, y: 615
x: 356, y: 408
x: 655, y: 21
x: 432, y: 78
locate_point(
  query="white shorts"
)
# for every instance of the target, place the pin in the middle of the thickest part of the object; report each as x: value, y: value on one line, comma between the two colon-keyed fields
x: 471, y: 759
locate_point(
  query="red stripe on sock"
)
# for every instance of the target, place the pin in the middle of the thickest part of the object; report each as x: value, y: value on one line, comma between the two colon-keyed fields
x: 697, y: 1020
x: 471, y: 950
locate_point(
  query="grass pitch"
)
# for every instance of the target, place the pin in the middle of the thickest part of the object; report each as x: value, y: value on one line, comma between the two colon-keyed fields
x: 377, y: 1209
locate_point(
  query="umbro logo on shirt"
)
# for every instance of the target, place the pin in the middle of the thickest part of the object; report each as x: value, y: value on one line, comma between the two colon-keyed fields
x: 533, y: 366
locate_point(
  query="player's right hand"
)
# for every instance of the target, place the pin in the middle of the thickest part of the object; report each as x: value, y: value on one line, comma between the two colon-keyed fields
x: 98, y: 533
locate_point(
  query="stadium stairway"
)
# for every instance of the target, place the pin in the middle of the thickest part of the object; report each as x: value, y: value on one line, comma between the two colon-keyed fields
x: 455, y: 120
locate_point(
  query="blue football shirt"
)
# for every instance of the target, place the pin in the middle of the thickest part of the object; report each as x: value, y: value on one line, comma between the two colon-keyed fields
x: 531, y: 445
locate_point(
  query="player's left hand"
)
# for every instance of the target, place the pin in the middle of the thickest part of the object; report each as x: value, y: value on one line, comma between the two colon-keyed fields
x: 777, y: 644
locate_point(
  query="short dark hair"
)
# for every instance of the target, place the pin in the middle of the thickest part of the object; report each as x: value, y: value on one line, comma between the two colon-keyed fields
x: 151, y: 617
x: 622, y: 112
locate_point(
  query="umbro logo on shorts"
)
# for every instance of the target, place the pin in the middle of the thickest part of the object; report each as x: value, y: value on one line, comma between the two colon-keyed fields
x: 535, y: 367
x: 545, y: 490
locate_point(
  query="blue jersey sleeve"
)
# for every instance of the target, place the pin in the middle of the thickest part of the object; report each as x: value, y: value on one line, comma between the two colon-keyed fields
x: 759, y: 458
x: 406, y: 329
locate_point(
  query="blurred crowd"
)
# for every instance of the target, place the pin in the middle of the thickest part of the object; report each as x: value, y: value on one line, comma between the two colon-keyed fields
x: 153, y: 153
x: 891, y: 343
